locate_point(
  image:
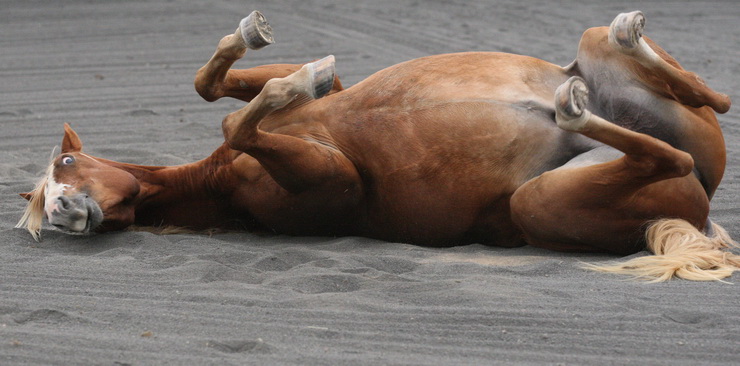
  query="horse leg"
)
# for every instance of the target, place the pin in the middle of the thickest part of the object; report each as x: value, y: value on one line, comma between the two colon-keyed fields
x: 602, y: 205
x: 658, y: 69
x: 295, y: 163
x: 216, y: 79
x: 641, y: 87
x: 597, y: 202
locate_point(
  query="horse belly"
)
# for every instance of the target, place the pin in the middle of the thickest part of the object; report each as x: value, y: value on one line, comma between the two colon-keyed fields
x: 444, y: 175
x: 427, y: 215
x: 441, y: 143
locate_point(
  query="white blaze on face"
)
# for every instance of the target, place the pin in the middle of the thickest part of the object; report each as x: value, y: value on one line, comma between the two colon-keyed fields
x: 52, y: 192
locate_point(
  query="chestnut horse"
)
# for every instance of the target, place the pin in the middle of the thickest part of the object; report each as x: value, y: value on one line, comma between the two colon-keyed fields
x: 617, y: 151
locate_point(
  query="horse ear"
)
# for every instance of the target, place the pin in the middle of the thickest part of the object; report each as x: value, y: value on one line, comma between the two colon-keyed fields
x: 71, y: 142
x: 27, y: 196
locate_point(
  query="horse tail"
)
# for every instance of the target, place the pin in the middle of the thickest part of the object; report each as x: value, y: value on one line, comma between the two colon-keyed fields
x: 681, y: 251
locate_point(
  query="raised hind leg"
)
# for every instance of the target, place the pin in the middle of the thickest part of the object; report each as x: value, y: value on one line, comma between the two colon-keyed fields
x: 216, y: 79
x: 293, y: 157
x: 601, y: 203
x: 658, y: 69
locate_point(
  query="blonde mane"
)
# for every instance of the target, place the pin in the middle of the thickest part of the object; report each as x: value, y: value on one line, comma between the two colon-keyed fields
x: 33, y: 217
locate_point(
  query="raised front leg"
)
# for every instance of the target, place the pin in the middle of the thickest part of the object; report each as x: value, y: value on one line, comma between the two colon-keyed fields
x: 216, y: 79
x: 297, y: 162
x: 658, y: 69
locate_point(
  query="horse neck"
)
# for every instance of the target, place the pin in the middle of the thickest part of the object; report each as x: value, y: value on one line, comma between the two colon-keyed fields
x: 191, y: 195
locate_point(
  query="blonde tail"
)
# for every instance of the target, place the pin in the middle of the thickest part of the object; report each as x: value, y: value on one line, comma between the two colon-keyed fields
x: 681, y: 251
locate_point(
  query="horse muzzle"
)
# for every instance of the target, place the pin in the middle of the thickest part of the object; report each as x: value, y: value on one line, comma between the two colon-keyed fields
x: 78, y: 214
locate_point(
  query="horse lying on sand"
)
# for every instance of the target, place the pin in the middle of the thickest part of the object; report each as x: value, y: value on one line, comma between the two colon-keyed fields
x: 618, y: 151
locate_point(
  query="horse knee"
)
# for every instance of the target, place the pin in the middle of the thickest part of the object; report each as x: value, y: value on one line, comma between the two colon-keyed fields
x: 228, y: 130
x: 234, y: 136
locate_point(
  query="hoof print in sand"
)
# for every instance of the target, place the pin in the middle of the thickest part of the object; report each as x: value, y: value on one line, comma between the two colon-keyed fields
x: 48, y: 316
x: 255, y: 346
x: 142, y: 113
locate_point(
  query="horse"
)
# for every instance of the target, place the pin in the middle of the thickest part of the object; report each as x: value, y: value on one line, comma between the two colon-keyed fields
x: 616, y: 152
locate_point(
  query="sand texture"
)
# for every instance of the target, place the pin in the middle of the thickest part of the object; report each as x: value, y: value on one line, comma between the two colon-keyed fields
x: 121, y: 73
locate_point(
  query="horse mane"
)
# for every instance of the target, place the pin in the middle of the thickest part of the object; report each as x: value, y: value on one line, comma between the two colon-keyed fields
x: 33, y: 216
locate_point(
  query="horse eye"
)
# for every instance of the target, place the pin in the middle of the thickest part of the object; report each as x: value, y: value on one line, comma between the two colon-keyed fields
x: 68, y: 160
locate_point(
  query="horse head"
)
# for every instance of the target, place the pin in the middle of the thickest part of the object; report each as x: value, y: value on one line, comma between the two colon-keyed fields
x: 80, y: 194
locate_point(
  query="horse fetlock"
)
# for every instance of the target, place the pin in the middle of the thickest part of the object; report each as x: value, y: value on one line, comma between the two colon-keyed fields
x: 277, y: 93
x: 625, y: 32
x: 231, y: 47
x: 255, y: 31
x: 571, y: 99
x: 314, y: 80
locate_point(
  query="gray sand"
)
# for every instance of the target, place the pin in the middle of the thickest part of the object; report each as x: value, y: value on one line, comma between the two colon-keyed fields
x: 121, y: 73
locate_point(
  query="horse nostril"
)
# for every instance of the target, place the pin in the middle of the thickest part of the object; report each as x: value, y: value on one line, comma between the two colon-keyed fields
x: 63, y: 202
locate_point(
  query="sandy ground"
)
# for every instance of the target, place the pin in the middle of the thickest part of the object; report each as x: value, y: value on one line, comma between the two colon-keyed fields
x: 121, y: 73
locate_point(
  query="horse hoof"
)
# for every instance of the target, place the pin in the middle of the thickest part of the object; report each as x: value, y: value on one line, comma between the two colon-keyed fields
x: 255, y: 30
x: 571, y: 99
x: 322, y: 76
x: 625, y: 31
